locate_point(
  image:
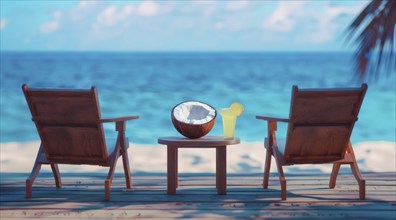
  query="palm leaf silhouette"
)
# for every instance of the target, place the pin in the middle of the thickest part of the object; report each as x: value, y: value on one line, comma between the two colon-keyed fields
x: 373, y: 30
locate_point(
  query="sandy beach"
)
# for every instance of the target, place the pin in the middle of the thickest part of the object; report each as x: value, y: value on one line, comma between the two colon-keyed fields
x: 242, y: 158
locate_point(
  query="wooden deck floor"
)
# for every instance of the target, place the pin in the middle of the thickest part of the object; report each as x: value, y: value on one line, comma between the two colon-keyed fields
x: 82, y: 197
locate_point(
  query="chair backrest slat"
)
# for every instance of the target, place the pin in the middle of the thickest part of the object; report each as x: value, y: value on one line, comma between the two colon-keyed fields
x: 321, y: 122
x: 68, y: 124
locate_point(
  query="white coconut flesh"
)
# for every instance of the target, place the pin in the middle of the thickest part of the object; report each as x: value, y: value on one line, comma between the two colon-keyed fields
x: 194, y: 113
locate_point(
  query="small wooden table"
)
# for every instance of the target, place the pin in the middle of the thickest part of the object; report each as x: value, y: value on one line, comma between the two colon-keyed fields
x: 218, y: 142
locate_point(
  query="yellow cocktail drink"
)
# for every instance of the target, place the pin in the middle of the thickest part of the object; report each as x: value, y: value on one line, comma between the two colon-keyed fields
x: 229, y: 116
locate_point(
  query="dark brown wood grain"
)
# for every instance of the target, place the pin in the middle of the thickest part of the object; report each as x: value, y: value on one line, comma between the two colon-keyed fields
x: 308, y: 198
x: 203, y: 142
x: 218, y: 142
x: 319, y: 130
x: 69, y: 124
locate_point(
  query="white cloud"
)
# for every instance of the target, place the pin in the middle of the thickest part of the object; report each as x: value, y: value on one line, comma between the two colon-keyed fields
x: 236, y: 5
x: 317, y: 24
x: 107, y: 17
x: 148, y: 8
x: 194, y: 8
x: 86, y: 4
x: 126, y: 11
x: 219, y: 25
x: 49, y: 27
x: 326, y: 27
x: 3, y: 23
x: 209, y: 10
x: 83, y: 10
x: 57, y: 14
x: 111, y: 16
x: 283, y: 19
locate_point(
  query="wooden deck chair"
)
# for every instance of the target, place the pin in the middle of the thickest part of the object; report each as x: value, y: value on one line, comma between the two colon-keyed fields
x: 70, y: 127
x: 319, y: 129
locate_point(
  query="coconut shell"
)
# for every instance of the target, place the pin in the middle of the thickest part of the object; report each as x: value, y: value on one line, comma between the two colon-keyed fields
x: 193, y: 131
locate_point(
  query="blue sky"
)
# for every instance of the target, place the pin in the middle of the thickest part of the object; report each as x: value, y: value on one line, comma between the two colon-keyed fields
x: 176, y: 25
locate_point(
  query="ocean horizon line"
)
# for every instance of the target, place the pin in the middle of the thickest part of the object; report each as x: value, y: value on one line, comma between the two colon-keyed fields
x: 182, y: 51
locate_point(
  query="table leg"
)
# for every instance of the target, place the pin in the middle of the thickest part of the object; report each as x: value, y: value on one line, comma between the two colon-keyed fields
x: 221, y: 170
x: 177, y: 166
x: 172, y: 164
x: 217, y: 168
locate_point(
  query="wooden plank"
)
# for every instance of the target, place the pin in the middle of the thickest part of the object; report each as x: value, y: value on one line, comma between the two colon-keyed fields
x: 188, y: 196
x: 82, y: 196
x: 324, y: 205
x: 199, y: 177
x: 391, y: 176
x: 208, y: 214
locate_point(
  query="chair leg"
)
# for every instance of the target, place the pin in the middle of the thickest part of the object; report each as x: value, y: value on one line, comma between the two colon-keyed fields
x: 267, y: 169
x: 35, y: 172
x: 282, y: 178
x: 283, y: 185
x: 356, y: 173
x: 55, y: 171
x: 107, y: 189
x: 32, y: 177
x: 110, y: 178
x: 360, y: 180
x: 334, y: 173
x: 127, y: 171
x: 108, y: 183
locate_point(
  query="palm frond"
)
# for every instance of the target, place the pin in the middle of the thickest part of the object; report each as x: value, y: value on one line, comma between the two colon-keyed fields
x: 373, y: 30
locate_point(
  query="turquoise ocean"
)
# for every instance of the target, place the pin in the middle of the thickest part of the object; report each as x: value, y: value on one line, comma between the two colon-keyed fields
x: 150, y: 84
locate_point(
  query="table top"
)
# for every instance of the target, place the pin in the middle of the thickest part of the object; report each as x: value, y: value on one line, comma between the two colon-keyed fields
x: 205, y: 141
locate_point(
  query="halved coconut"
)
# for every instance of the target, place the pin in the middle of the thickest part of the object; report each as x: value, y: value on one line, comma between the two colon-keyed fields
x: 193, y: 119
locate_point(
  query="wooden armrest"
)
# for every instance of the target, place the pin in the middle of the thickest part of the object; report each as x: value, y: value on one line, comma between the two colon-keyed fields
x: 267, y: 118
x: 119, y: 119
